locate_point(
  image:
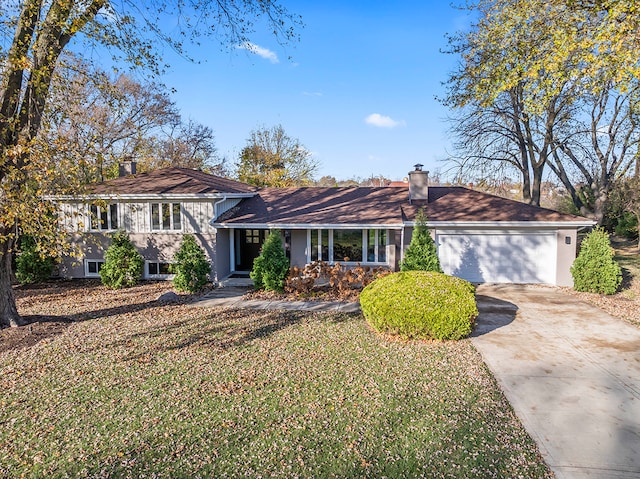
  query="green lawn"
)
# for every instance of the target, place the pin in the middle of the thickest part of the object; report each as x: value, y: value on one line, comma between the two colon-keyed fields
x: 178, y: 391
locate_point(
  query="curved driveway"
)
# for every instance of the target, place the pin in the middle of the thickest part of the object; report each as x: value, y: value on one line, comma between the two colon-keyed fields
x: 571, y: 373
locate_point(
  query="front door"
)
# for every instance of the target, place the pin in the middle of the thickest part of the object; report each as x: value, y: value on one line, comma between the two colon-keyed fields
x: 248, y: 244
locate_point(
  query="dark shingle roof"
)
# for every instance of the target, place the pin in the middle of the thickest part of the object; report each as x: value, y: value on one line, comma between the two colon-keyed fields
x: 457, y: 203
x: 316, y: 205
x: 171, y: 181
x: 380, y: 206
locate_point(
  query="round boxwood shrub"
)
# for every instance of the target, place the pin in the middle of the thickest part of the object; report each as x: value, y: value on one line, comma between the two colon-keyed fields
x: 595, y: 270
x: 420, y: 305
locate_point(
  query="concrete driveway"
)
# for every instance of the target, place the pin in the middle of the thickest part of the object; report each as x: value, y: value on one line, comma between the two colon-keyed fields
x: 571, y: 373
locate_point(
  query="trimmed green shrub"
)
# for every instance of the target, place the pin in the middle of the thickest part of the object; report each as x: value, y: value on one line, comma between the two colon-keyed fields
x: 190, y: 266
x: 420, y: 305
x: 595, y: 270
x: 123, y: 264
x: 271, y: 268
x: 627, y: 225
x: 31, y: 265
x: 421, y: 255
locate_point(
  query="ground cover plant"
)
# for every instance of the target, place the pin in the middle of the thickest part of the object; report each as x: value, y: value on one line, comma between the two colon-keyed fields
x: 121, y: 385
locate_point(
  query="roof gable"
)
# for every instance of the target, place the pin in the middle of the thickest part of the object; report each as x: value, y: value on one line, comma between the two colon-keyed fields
x: 170, y: 181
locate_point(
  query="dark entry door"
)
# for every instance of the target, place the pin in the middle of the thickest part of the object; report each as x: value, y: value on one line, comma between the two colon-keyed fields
x: 248, y: 244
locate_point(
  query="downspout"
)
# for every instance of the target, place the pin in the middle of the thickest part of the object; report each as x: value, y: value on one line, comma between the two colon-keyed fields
x: 402, y: 244
x: 215, y: 208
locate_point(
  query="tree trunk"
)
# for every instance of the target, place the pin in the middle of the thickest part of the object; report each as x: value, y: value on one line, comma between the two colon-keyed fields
x: 8, y: 312
x: 536, y: 187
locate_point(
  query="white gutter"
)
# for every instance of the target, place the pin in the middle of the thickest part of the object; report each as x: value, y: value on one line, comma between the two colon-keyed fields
x: 304, y: 226
x: 148, y: 196
x: 510, y: 224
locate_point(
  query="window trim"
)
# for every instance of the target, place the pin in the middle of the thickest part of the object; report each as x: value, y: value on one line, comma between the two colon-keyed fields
x: 109, y: 216
x: 365, y: 246
x: 147, y: 273
x: 98, y: 261
x: 172, y: 225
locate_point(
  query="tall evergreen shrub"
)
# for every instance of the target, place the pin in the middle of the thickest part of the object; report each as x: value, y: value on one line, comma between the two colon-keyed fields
x: 595, y: 270
x: 421, y: 255
x: 190, y: 266
x: 271, y: 268
x: 123, y: 264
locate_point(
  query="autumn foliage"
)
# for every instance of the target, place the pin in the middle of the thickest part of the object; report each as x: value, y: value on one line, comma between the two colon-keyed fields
x: 345, y: 282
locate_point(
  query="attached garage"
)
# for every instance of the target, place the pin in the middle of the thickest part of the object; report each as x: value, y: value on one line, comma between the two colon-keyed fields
x: 491, y: 256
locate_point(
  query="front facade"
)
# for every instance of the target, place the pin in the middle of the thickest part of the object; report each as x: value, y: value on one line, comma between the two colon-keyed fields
x: 156, y: 209
x: 480, y: 237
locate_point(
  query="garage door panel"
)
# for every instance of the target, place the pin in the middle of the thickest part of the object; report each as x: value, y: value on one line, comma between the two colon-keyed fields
x: 499, y: 258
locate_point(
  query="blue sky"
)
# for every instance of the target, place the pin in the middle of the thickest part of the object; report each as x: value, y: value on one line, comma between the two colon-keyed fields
x: 358, y: 89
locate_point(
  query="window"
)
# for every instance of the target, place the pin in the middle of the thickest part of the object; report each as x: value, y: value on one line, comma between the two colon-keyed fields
x: 158, y: 269
x: 166, y: 216
x: 347, y: 245
x: 377, y: 246
x: 319, y: 245
x: 104, y: 217
x: 92, y: 267
x: 252, y: 237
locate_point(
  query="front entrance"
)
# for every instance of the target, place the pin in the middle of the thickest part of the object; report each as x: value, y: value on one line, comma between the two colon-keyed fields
x: 247, y: 247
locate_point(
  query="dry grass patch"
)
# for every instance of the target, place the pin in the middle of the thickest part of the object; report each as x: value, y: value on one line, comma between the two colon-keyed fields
x: 178, y: 391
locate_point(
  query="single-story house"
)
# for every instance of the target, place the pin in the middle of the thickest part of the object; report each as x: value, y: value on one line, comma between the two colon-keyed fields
x: 480, y: 237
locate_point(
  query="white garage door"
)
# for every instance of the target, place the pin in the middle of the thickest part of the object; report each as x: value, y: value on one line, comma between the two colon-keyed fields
x: 492, y: 257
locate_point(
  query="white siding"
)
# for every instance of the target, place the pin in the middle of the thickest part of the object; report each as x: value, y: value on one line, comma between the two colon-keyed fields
x: 196, y: 216
x: 226, y: 205
x: 135, y: 217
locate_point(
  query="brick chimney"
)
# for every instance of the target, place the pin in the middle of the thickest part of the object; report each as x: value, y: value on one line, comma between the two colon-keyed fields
x: 127, y: 168
x: 418, y: 184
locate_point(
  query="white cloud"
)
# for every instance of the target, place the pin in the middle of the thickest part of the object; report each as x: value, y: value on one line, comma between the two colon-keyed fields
x: 381, y: 121
x: 312, y: 93
x: 260, y: 51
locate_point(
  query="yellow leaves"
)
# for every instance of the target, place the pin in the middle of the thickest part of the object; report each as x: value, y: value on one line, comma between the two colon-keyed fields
x: 546, y: 44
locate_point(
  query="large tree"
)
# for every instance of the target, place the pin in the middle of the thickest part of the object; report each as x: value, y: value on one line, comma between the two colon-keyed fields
x: 538, y: 82
x: 273, y: 158
x: 597, y: 149
x: 99, y: 119
x: 37, y: 32
x: 546, y: 43
x: 494, y: 141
